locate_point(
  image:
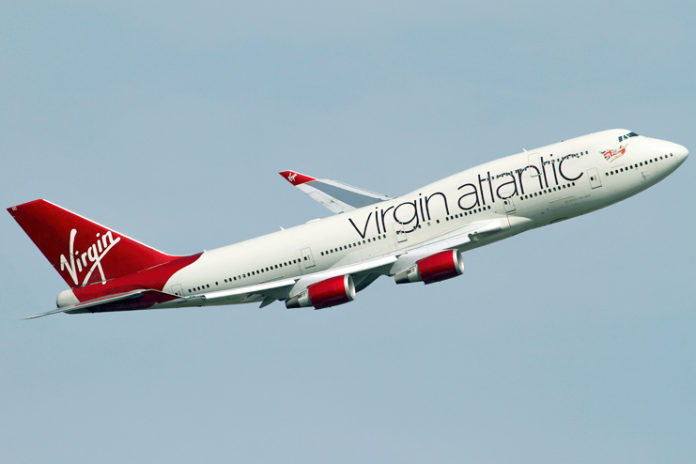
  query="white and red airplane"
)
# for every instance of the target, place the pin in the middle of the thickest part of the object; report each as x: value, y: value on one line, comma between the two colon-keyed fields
x: 417, y: 237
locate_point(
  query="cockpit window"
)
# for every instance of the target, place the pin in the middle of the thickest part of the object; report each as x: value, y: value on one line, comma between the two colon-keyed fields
x: 624, y: 137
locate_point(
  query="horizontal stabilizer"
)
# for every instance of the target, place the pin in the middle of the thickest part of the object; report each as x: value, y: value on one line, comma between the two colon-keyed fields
x: 136, y: 299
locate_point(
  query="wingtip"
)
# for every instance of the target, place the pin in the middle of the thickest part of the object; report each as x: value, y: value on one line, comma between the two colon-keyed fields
x: 48, y: 313
x: 36, y: 316
x: 295, y: 178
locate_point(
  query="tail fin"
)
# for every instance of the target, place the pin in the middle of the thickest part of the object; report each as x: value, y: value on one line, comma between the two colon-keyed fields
x: 82, y: 251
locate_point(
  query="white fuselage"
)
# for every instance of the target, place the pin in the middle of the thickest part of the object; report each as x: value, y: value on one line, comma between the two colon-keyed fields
x: 525, y: 190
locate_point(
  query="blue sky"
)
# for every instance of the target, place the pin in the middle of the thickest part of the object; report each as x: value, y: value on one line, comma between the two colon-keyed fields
x: 169, y: 121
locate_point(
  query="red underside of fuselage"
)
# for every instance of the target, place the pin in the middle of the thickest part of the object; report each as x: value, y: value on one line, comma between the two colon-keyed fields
x: 154, y: 278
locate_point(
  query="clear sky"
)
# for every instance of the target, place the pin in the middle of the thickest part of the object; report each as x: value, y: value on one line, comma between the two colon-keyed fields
x: 169, y: 121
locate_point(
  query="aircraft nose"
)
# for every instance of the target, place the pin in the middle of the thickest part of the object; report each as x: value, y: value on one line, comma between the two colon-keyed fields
x: 680, y: 152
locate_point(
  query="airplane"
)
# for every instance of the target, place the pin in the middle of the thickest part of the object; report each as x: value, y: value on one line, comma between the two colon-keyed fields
x: 416, y: 237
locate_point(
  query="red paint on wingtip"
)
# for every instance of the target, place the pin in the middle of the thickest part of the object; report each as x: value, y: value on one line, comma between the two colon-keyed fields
x: 295, y: 178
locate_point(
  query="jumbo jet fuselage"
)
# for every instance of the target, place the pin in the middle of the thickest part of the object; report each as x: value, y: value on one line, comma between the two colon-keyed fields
x: 523, y: 191
x: 469, y: 209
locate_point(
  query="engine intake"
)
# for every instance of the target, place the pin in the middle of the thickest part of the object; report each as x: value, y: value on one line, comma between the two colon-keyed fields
x: 329, y: 292
x: 440, y: 266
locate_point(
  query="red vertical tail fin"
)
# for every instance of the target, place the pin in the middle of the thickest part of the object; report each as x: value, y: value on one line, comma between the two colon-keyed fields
x: 82, y: 251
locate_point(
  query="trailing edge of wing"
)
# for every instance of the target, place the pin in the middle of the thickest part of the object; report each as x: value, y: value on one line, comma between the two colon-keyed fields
x: 336, y: 196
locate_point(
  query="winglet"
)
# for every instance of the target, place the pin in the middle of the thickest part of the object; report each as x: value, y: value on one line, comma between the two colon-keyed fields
x: 295, y: 178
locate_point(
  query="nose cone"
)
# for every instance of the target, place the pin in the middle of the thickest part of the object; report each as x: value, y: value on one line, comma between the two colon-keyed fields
x: 680, y: 152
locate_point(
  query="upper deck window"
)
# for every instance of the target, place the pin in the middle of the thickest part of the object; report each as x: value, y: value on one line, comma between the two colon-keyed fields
x: 624, y: 137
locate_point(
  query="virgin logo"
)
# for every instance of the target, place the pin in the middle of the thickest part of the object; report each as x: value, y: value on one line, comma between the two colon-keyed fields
x: 90, y: 260
x: 291, y: 177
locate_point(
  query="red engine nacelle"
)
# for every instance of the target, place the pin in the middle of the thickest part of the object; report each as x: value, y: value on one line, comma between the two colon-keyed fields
x: 329, y: 292
x: 440, y: 266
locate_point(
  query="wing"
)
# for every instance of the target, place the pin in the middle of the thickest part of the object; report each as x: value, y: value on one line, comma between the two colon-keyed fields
x: 363, y: 274
x: 457, y: 239
x: 266, y: 292
x: 336, y: 196
x: 460, y: 237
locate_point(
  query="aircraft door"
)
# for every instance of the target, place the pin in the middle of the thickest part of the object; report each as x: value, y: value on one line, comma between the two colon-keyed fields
x: 175, y: 289
x: 533, y: 159
x: 509, y: 206
x: 307, y: 259
x: 595, y: 180
x: 399, y: 233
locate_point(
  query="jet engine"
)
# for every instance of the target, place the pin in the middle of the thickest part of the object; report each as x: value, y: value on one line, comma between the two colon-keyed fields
x: 434, y: 268
x: 329, y: 292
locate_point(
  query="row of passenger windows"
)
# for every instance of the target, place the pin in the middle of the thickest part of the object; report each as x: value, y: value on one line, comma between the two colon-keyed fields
x: 636, y: 165
x: 384, y: 236
x: 323, y: 253
x: 199, y: 288
x: 548, y: 190
x: 252, y: 273
x: 329, y: 251
x: 353, y: 245
x: 466, y: 213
